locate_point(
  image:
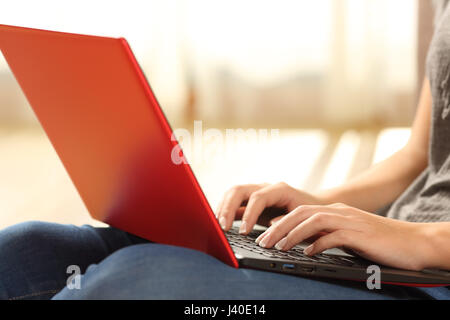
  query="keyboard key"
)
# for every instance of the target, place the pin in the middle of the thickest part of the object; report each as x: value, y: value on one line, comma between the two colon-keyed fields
x: 247, y: 242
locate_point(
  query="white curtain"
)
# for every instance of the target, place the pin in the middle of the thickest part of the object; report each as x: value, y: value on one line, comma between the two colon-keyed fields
x: 372, y: 74
x: 342, y: 61
x: 339, y: 61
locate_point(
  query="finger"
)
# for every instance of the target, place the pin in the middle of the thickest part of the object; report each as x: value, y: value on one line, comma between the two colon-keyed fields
x: 288, y: 222
x: 275, y: 220
x: 320, y: 222
x: 315, y: 237
x: 270, y: 213
x: 239, y: 213
x: 232, y: 202
x: 276, y: 232
x: 269, y: 196
x: 310, y: 239
x: 219, y: 208
x: 349, y: 239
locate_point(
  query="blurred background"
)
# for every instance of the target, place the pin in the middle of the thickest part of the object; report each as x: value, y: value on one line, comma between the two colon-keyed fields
x: 338, y: 78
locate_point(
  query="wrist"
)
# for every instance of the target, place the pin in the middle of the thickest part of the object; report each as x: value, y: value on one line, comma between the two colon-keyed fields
x: 435, y: 238
x: 329, y: 196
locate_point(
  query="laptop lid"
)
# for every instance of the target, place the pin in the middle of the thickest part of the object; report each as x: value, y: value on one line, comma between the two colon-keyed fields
x: 102, y: 118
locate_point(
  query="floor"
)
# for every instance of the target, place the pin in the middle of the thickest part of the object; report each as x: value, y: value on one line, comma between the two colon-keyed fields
x: 35, y: 186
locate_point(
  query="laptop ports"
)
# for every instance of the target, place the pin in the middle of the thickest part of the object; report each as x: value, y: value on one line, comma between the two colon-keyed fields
x: 307, y: 269
x: 288, y: 266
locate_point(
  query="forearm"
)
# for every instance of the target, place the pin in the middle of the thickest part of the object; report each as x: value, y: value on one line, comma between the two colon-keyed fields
x: 381, y: 184
x: 437, y: 252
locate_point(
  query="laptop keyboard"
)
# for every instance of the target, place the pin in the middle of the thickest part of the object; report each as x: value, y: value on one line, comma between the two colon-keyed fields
x: 296, y: 253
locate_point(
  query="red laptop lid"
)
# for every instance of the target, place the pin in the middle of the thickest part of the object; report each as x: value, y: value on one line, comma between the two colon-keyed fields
x: 104, y: 122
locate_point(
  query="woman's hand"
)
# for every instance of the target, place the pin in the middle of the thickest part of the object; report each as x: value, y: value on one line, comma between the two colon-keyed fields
x: 387, y: 241
x: 247, y: 202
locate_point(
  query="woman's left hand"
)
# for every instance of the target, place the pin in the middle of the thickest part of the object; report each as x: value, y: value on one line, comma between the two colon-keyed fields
x: 383, y: 240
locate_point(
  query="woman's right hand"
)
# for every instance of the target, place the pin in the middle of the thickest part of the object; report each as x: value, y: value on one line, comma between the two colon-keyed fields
x: 247, y: 202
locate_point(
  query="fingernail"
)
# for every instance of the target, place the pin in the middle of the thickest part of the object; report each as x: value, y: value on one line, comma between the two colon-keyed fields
x: 223, y: 222
x: 280, y: 244
x: 243, y: 228
x: 308, y: 250
x: 263, y: 242
x: 260, y: 237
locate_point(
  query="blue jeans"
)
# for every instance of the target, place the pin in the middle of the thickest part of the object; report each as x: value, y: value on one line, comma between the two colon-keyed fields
x: 35, y: 256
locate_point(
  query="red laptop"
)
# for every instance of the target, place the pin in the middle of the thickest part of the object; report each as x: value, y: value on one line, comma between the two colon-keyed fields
x: 100, y: 114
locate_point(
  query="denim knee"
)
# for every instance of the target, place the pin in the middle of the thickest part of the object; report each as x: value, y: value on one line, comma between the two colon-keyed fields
x: 21, y: 246
x: 22, y: 235
x: 137, y: 272
x: 36, y: 257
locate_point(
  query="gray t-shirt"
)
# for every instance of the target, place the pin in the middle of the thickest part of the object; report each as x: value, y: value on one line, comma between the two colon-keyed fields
x: 427, y: 199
